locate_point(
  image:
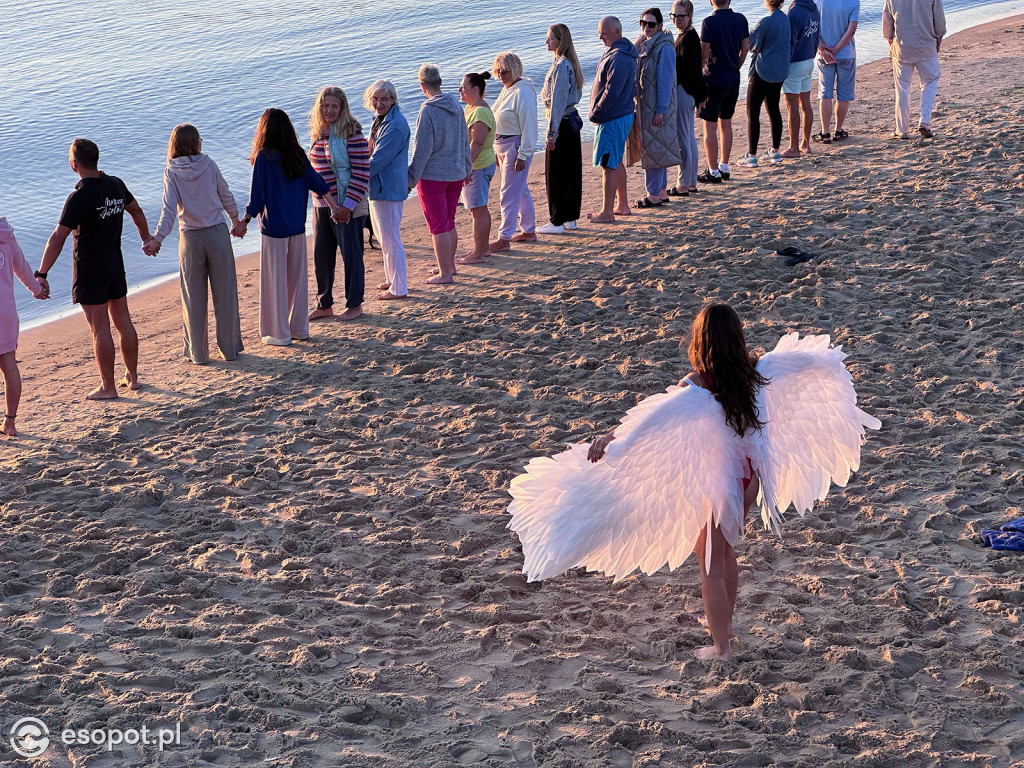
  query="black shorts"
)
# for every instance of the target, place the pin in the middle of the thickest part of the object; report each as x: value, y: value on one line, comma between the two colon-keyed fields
x: 98, y: 290
x: 721, y: 103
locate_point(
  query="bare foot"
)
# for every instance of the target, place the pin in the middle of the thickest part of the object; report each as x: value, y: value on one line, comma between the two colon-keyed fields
x: 791, y: 152
x: 525, y: 237
x: 320, y: 314
x: 620, y: 211
x: 498, y: 245
x: 471, y: 258
x: 129, y: 380
x: 102, y: 393
x: 388, y: 296
x: 9, y: 429
x: 440, y: 280
x: 710, y: 652
x: 436, y: 271
x: 383, y: 286
x: 351, y: 313
x: 806, y: 149
x: 600, y: 218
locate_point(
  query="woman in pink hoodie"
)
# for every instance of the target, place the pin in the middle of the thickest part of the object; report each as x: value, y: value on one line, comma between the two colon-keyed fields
x: 12, y: 262
x: 196, y: 193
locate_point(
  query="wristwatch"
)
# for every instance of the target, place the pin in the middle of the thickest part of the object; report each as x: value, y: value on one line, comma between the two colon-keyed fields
x: 246, y: 219
x: 39, y: 275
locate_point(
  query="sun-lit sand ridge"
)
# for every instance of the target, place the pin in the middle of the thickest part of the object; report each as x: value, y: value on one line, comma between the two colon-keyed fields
x: 302, y: 555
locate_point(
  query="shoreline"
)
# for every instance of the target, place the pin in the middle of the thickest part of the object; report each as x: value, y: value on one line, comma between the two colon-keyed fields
x: 156, y: 283
x: 302, y: 557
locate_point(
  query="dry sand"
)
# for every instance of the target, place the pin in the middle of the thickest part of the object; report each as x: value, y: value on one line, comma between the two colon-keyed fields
x: 302, y: 555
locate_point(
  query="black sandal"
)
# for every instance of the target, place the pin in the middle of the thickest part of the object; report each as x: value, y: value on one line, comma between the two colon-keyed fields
x: 674, y: 192
x: 645, y: 202
x: 823, y: 138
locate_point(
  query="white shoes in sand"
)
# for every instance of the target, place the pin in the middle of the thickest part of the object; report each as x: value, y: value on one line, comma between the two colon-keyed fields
x: 555, y: 229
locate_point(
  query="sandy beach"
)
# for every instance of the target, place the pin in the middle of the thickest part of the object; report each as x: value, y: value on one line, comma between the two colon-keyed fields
x: 301, y: 556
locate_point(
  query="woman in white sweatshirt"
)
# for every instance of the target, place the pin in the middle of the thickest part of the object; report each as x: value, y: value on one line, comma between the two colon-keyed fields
x: 196, y: 193
x: 515, y: 141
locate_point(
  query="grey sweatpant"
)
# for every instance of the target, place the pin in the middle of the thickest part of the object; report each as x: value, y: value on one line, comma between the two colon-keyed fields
x: 205, y: 258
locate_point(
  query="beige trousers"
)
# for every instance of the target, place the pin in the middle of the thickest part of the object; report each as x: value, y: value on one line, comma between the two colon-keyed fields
x: 205, y: 258
x: 283, y: 289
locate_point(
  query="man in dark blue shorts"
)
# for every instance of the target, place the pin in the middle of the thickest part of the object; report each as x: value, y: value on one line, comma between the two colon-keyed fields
x: 724, y: 42
x: 94, y: 212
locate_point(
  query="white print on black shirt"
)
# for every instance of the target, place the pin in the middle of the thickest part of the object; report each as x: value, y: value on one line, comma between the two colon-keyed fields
x: 111, y: 208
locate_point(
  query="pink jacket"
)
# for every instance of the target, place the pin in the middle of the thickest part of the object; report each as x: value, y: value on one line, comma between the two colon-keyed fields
x: 12, y: 262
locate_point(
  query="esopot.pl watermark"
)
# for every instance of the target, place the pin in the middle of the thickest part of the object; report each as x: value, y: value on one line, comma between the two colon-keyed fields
x: 30, y: 737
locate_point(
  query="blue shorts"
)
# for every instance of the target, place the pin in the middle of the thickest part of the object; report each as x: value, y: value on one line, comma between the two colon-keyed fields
x: 837, y: 78
x: 475, y: 193
x: 799, y: 80
x: 610, y: 141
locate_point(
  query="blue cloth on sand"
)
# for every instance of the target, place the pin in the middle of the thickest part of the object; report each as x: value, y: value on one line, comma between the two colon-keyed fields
x: 1010, y: 536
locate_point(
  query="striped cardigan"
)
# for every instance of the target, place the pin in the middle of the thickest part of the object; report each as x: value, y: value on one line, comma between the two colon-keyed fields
x: 359, y: 161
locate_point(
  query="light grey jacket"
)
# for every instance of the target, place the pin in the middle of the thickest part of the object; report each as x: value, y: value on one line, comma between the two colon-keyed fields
x: 440, y: 148
x: 194, y: 189
x: 560, y: 94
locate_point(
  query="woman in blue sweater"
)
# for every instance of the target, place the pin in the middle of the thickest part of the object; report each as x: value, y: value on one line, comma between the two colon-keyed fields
x: 769, y: 67
x: 282, y: 179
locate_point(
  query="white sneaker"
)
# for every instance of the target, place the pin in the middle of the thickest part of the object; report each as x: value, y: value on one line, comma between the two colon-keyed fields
x: 771, y: 156
x: 569, y: 225
x: 748, y: 160
x: 275, y: 342
x: 550, y: 229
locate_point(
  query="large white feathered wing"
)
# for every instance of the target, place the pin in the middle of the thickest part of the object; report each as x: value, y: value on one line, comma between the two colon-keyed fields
x: 673, y: 466
x: 813, y: 427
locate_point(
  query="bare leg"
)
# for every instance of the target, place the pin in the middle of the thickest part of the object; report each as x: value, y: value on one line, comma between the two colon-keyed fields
x: 445, y: 245
x: 12, y: 391
x: 103, y: 349
x: 841, y: 109
x: 622, y: 209
x: 825, y: 108
x: 608, y: 190
x: 481, y: 236
x: 808, y: 112
x: 714, y: 587
x: 711, y: 144
x: 122, y: 320
x: 793, y: 108
x: 725, y: 128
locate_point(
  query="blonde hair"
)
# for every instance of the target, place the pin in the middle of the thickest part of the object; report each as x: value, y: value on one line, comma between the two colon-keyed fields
x: 345, y: 126
x: 184, y: 141
x: 568, y: 51
x: 509, y: 62
x: 687, y: 7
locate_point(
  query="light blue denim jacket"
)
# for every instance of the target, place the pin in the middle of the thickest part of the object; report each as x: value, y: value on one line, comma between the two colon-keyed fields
x: 389, y: 161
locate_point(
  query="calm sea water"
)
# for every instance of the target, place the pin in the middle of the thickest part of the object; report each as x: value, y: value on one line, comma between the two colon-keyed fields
x: 126, y: 74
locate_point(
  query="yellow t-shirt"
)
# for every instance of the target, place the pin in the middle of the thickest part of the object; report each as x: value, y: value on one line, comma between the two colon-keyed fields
x: 482, y: 115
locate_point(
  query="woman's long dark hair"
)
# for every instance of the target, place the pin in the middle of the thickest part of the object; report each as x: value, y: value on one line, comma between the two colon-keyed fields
x: 275, y: 131
x: 719, y: 353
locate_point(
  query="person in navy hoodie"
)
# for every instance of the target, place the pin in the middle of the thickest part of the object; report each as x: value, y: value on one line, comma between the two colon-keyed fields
x: 282, y: 179
x: 611, y: 108
x: 804, y: 30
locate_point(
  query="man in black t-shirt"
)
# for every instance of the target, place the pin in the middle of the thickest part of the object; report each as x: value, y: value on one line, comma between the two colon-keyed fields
x: 724, y: 44
x: 94, y: 212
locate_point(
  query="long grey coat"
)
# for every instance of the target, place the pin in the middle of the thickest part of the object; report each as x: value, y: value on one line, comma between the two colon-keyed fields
x: 660, y: 143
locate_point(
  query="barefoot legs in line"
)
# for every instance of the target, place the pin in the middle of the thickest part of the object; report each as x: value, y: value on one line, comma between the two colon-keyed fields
x: 12, y: 391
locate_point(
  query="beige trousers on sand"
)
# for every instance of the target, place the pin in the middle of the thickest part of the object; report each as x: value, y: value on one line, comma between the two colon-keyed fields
x: 205, y: 258
x: 283, y: 288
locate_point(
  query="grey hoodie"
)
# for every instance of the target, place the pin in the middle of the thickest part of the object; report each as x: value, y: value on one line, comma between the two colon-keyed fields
x: 195, y: 188
x: 440, y: 148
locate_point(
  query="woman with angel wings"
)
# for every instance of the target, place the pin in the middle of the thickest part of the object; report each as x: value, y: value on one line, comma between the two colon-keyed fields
x: 686, y: 465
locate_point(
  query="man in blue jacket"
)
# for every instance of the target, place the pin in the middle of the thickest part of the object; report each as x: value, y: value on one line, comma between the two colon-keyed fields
x: 611, y: 109
x: 804, y: 30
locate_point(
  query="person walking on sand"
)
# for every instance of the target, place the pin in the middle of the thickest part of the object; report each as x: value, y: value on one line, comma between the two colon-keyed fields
x: 339, y: 153
x: 656, y: 107
x: 94, y: 212
x: 690, y: 91
x: 441, y: 163
x: 12, y: 264
x: 563, y: 163
x: 389, y: 183
x: 724, y: 41
x: 612, y: 107
x: 197, y: 194
x: 515, y: 143
x: 804, y: 31
x: 914, y: 30
x: 837, y: 65
x: 480, y: 124
x: 282, y: 179
x: 769, y: 67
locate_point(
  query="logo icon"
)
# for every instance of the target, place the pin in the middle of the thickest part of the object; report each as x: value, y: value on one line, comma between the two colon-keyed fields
x: 30, y: 737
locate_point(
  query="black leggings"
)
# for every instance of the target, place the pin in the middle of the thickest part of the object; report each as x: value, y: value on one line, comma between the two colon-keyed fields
x: 563, y: 175
x: 761, y: 92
